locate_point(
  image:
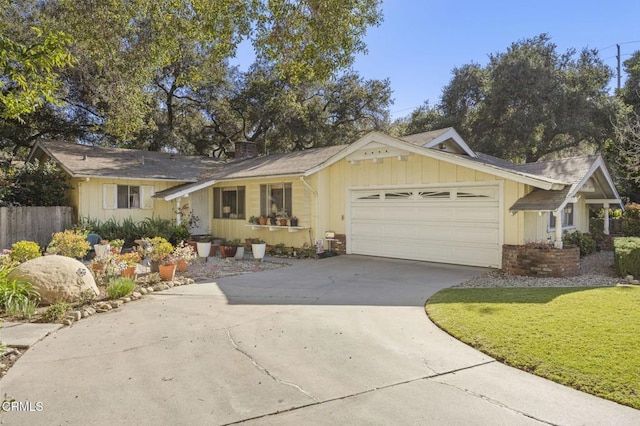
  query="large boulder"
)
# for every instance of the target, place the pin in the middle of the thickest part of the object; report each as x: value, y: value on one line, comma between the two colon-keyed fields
x: 56, y: 278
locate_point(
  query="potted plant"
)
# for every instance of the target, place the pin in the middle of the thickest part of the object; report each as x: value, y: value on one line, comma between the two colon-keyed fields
x: 167, y: 267
x: 239, y: 248
x: 204, y: 247
x: 258, y: 248
x: 103, y: 249
x: 156, y: 248
x: 128, y: 263
x: 293, y: 221
x: 254, y: 220
x: 116, y: 246
x: 262, y: 220
x: 230, y: 248
x: 183, y: 253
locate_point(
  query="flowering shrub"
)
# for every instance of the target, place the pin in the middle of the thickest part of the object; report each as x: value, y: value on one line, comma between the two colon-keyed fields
x: 69, y: 243
x: 24, y: 250
x: 129, y: 259
x: 184, y: 251
x: 155, y: 248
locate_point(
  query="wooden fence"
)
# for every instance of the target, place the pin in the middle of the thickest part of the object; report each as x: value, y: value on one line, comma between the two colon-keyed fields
x: 32, y: 224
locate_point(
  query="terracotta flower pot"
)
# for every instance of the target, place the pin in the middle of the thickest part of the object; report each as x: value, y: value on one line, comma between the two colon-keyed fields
x: 183, y: 265
x: 167, y: 272
x: 283, y: 222
x: 262, y: 220
x: 129, y: 272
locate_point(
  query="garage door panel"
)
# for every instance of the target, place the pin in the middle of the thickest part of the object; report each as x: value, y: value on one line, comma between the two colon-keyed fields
x: 447, y: 229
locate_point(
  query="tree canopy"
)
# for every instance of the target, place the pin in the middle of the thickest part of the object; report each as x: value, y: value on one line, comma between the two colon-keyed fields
x: 150, y: 73
x: 527, y: 103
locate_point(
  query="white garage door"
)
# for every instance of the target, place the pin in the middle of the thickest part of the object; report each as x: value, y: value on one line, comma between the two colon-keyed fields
x: 453, y: 224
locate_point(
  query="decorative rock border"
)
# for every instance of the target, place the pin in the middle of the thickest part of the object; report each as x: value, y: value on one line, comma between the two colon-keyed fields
x: 108, y: 305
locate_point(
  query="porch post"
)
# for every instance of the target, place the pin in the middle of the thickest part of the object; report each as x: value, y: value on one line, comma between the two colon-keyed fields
x: 606, y: 218
x: 178, y: 212
x: 558, y: 242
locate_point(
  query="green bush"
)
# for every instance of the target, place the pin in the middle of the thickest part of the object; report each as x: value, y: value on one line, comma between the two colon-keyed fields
x: 24, y: 250
x: 631, y: 220
x: 56, y: 312
x: 17, y: 298
x: 626, y: 252
x: 129, y: 230
x: 584, y: 242
x: 120, y: 287
x: 69, y: 243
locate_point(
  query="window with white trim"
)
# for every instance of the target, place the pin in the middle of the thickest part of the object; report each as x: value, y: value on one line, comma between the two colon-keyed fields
x: 229, y: 202
x: 116, y: 196
x: 567, y: 218
x: 275, y: 199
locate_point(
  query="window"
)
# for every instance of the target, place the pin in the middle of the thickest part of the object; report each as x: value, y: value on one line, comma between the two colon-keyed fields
x: 275, y: 199
x: 567, y: 218
x: 229, y: 202
x: 127, y: 196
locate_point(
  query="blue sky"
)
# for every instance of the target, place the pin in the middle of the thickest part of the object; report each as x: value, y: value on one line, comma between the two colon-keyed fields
x: 421, y: 42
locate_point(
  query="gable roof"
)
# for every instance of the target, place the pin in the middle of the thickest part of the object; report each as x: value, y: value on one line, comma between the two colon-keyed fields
x: 445, y: 139
x: 576, y: 172
x: 288, y: 164
x: 555, y: 183
x: 119, y: 163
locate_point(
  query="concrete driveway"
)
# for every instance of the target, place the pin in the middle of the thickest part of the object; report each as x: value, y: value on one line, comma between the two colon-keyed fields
x: 340, y: 340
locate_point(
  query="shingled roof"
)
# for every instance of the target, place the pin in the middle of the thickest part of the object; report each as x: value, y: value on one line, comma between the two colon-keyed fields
x: 91, y: 161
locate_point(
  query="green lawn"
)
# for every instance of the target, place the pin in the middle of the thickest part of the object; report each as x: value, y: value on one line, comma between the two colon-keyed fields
x: 587, y: 338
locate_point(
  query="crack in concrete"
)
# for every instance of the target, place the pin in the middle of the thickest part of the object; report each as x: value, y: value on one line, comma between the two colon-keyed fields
x: 264, y: 370
x: 364, y: 392
x: 495, y: 402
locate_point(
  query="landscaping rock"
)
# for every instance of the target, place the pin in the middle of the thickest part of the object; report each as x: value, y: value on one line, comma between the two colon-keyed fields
x: 74, y: 315
x: 136, y: 295
x: 143, y: 290
x: 67, y: 321
x: 56, y: 278
x: 115, y: 303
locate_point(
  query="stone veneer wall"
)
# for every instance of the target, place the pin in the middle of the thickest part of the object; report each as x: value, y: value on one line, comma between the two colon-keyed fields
x: 540, y: 262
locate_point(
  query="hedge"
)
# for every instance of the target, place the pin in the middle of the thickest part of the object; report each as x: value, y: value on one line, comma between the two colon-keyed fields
x: 626, y: 251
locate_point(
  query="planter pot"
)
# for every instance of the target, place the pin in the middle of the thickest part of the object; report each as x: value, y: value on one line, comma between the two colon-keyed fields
x: 167, y: 272
x: 239, y: 253
x: 98, y: 267
x: 273, y: 221
x: 262, y: 221
x: 293, y: 222
x: 229, y: 251
x: 183, y: 265
x: 193, y: 244
x: 102, y: 250
x: 214, y: 250
x: 283, y: 222
x: 204, y: 249
x: 154, y: 266
x: 129, y: 272
x: 258, y: 250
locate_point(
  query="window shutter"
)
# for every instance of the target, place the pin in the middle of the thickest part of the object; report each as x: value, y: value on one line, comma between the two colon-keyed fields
x: 146, y: 194
x: 109, y: 196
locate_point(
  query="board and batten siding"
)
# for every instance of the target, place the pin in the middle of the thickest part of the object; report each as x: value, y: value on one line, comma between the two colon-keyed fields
x: 88, y: 197
x: 333, y: 182
x: 537, y: 228
x: 303, y: 201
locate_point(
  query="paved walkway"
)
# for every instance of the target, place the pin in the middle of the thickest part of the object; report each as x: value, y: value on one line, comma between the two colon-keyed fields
x: 341, y: 340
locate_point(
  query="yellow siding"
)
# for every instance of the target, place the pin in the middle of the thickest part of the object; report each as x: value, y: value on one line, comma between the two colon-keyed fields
x: 537, y: 229
x: 303, y: 206
x: 87, y: 198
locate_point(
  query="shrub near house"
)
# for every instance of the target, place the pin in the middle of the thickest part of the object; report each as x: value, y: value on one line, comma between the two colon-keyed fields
x: 627, y: 255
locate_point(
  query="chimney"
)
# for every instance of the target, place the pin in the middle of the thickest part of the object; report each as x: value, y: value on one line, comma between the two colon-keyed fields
x: 244, y: 149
